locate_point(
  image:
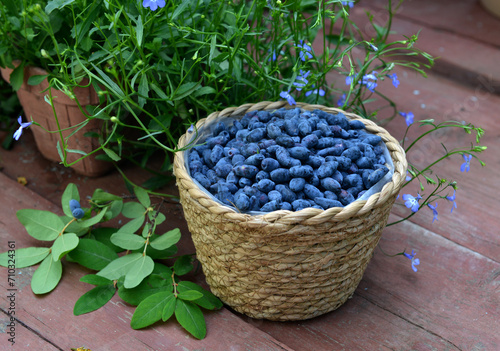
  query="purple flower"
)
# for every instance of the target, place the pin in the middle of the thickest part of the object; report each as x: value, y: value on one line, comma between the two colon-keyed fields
x: 370, y: 80
x: 286, y: 95
x: 341, y: 100
x: 452, y: 199
x: 394, y: 78
x: 305, y: 51
x: 408, y: 176
x: 412, y: 202
x: 347, y: 3
x: 348, y: 80
x: 303, y: 78
x: 191, y: 128
x: 414, y: 261
x: 153, y: 4
x: 373, y: 47
x: 319, y: 91
x: 408, y: 117
x: 19, y: 132
x: 466, y: 165
x: 434, y: 211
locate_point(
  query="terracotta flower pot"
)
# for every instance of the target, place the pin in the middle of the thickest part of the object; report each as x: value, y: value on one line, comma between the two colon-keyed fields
x: 68, y: 113
x: 493, y: 6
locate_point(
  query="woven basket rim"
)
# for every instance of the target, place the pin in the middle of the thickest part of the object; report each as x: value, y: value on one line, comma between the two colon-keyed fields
x: 312, y: 215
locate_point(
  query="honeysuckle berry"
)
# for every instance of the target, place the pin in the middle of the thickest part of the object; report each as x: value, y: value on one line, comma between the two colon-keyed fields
x: 74, y: 204
x: 78, y: 213
x: 414, y: 261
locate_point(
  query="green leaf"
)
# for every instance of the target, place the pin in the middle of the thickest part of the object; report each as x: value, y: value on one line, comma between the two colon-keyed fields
x: 56, y: 4
x: 133, y: 209
x: 149, y: 286
x: 208, y: 301
x: 204, y: 91
x: 101, y: 196
x: 25, y: 257
x: 120, y: 266
x: 150, y: 310
x: 70, y: 193
x: 191, y: 318
x: 93, y: 220
x: 179, y: 9
x: 143, y: 90
x: 95, y: 280
x: 36, y: 79
x: 111, y: 154
x: 103, y: 235
x: 128, y: 241
x: 47, y: 276
x: 132, y: 226
x: 11, y: 6
x: 185, y: 90
x: 183, y: 265
x: 169, y: 309
x: 41, y: 225
x: 139, y: 30
x: 17, y: 77
x: 110, y: 84
x: 167, y: 240
x: 64, y: 244
x: 138, y: 271
x: 94, y: 299
x: 93, y: 254
x: 142, y: 196
x: 190, y: 295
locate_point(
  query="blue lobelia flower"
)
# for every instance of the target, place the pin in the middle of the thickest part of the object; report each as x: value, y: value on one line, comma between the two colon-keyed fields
x: 347, y: 3
x: 305, y: 51
x: 19, y: 132
x: 348, y: 80
x: 319, y: 91
x: 412, y: 202
x: 408, y: 117
x: 394, y: 78
x: 303, y: 78
x: 286, y: 95
x: 341, y: 100
x: 466, y: 165
x: 373, y: 47
x: 452, y: 199
x: 370, y: 80
x: 408, y: 176
x: 414, y: 261
x: 434, y: 211
x: 153, y: 4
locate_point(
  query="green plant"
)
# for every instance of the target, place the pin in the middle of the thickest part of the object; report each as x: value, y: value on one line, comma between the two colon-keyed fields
x: 129, y: 259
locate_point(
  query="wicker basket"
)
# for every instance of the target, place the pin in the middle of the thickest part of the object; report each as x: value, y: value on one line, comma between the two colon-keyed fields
x: 286, y: 265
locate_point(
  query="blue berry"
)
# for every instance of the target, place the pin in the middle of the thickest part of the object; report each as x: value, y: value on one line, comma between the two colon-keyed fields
x: 364, y: 162
x: 315, y: 161
x: 331, y: 184
x: 312, y: 192
x: 265, y: 185
x: 376, y: 176
x: 356, y: 124
x: 262, y: 175
x: 331, y: 195
x: 352, y: 180
x: 291, y: 127
x: 269, y: 164
x: 256, y: 135
x: 352, y: 153
x: 242, y: 202
x: 202, y: 179
x: 286, y: 206
x: 327, y: 203
x: 299, y: 152
x: 345, y: 197
x: 300, y: 204
x: 264, y: 116
x: 275, y: 195
x: 310, y: 141
x: 238, y: 159
x: 222, y: 169
x: 285, y: 141
x: 271, y: 206
x: 344, y: 163
x: 305, y: 171
x: 372, y: 139
x: 255, y: 160
x: 297, y: 184
x: 78, y: 213
x: 273, y: 130
x: 219, y: 127
x: 232, y: 178
x: 283, y: 157
x: 73, y: 204
x: 286, y: 194
x: 305, y: 128
x: 248, y: 150
x: 281, y: 175
x: 327, y: 169
x: 246, y: 171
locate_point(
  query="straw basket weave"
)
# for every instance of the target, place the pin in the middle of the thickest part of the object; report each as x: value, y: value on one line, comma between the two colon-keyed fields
x: 286, y: 265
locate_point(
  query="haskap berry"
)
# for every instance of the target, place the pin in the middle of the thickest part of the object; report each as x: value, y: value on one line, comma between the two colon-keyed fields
x: 288, y: 160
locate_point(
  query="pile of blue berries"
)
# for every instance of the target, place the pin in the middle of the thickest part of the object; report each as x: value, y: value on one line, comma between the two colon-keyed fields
x: 288, y: 160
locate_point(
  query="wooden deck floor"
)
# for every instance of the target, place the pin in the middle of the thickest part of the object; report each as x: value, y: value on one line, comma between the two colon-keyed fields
x: 451, y: 303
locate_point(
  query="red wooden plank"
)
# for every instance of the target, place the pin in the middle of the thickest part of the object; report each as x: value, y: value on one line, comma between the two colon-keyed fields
x: 52, y: 317
x: 451, y: 303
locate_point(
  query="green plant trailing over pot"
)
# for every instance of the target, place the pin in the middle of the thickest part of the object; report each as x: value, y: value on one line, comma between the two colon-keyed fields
x: 161, y: 68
